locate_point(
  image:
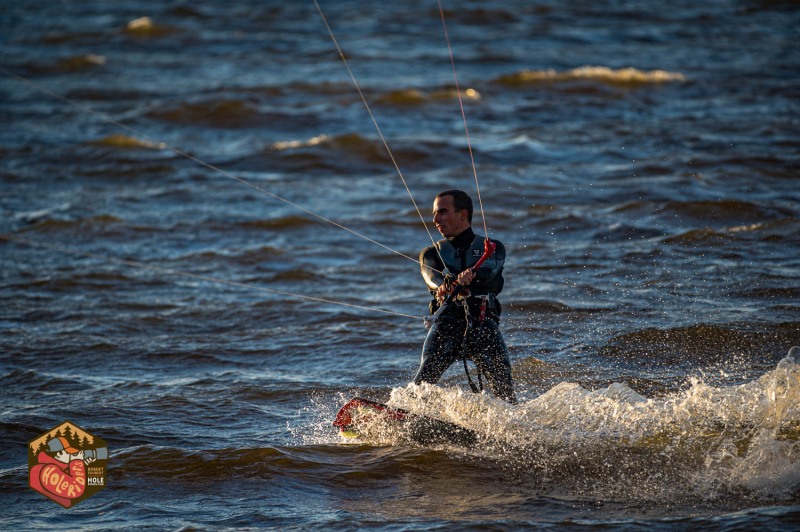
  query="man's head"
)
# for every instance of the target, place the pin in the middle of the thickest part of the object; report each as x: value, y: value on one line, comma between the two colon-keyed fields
x: 452, y: 212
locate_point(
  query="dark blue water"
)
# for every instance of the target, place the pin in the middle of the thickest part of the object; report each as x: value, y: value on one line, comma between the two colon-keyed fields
x: 162, y: 183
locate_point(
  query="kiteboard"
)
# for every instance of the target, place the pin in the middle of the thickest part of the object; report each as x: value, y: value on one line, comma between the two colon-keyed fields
x: 356, y: 417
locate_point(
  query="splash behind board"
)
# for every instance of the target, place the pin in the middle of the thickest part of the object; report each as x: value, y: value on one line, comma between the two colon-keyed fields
x: 358, y: 412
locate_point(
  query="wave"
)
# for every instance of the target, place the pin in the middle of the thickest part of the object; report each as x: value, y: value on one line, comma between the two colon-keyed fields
x: 247, y: 257
x: 703, y: 441
x: 695, y: 236
x: 80, y: 62
x: 295, y: 144
x: 228, y: 112
x: 405, y: 97
x: 186, y: 465
x: 704, y: 344
x: 125, y: 142
x: 29, y: 381
x: 295, y: 274
x: 563, y: 222
x: 782, y: 229
x: 777, y: 230
x: 402, y: 97
x: 231, y: 113
x: 100, y: 281
x: 347, y: 154
x: 631, y: 77
x: 396, y: 97
x: 727, y: 210
x: 66, y: 65
x: 41, y: 214
x: 282, y: 222
x: 351, y: 144
x: 145, y: 27
x: 44, y: 221
x: 322, y: 88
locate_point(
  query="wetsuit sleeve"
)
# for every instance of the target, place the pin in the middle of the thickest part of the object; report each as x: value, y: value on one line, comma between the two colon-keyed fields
x: 431, y: 267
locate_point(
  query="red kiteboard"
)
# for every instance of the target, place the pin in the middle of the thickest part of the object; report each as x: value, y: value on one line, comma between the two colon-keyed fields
x: 359, y: 413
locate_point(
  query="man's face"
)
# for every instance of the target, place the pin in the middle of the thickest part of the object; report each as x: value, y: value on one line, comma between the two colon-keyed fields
x: 447, y: 219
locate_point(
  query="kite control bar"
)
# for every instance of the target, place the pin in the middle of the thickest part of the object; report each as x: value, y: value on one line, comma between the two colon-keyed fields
x: 488, y: 250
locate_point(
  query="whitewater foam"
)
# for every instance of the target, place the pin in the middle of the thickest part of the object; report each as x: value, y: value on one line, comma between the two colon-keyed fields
x: 707, y: 440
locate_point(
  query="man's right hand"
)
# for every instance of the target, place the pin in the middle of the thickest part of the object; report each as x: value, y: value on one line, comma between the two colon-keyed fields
x: 444, y: 290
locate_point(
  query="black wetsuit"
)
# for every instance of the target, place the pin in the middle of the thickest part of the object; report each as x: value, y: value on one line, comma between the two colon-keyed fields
x: 468, y: 328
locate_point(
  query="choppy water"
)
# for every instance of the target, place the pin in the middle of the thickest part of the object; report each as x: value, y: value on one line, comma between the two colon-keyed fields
x: 639, y: 160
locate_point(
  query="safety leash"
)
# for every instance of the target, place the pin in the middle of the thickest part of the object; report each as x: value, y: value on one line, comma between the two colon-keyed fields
x: 467, y: 329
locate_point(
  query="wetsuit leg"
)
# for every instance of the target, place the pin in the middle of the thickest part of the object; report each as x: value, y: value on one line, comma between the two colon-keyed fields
x: 439, y: 351
x: 489, y: 352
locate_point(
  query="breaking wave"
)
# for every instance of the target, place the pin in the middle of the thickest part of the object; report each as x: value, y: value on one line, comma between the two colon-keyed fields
x: 704, y: 441
x: 623, y: 76
x: 145, y: 27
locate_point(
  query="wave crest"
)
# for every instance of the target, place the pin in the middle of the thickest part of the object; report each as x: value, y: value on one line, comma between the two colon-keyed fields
x: 623, y: 76
x: 704, y: 441
x: 146, y: 27
x: 125, y: 142
x: 406, y: 97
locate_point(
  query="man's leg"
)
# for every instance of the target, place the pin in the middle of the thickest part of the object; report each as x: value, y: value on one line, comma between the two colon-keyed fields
x: 438, y: 351
x: 490, y: 354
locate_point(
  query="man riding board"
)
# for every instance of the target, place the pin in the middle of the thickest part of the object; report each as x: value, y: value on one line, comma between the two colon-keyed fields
x: 468, y: 326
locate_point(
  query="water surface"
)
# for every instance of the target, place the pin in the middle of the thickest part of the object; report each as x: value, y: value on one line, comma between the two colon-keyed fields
x: 639, y: 161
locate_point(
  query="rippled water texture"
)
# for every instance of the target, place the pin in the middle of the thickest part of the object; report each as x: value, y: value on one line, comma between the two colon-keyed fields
x: 173, y: 177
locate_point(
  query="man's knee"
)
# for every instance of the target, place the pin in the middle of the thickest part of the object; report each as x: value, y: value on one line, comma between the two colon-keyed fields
x: 432, y: 368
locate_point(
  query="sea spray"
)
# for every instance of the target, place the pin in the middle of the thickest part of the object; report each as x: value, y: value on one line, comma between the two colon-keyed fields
x: 703, y: 441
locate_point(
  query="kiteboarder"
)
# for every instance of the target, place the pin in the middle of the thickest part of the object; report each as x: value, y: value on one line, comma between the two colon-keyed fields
x: 467, y: 328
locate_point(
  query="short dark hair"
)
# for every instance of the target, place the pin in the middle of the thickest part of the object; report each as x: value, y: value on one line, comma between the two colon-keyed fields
x: 461, y: 201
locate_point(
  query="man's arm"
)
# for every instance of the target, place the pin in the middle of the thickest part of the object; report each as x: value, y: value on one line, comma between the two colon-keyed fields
x: 430, y: 267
